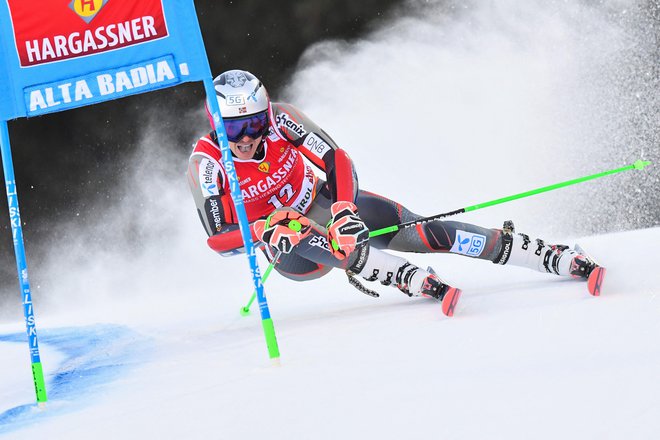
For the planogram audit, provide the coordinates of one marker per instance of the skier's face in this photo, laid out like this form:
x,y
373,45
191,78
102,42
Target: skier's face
x,y
245,147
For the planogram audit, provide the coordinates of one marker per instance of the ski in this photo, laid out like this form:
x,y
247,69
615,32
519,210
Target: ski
x,y
597,275
595,280
450,299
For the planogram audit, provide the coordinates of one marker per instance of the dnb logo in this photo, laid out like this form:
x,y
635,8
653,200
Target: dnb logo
x,y
47,31
87,9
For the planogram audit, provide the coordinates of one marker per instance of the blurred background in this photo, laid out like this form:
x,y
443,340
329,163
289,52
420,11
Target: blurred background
x,y
594,66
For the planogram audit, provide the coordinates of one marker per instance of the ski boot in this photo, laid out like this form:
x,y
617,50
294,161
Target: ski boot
x,y
520,250
408,278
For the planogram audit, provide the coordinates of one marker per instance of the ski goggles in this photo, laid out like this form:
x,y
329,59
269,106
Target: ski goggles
x,y
252,126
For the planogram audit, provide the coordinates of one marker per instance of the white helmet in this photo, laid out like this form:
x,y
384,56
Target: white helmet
x,y
240,94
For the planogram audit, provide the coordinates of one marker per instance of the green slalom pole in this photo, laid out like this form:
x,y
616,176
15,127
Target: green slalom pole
x,y
638,165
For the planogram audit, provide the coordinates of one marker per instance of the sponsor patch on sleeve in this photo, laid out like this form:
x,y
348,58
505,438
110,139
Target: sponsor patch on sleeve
x,y
316,145
208,177
284,121
468,243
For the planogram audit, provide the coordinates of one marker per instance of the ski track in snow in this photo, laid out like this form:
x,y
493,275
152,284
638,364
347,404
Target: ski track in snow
x,y
526,355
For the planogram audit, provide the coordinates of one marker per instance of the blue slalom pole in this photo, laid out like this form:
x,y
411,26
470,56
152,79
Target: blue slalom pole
x,y
237,197
21,264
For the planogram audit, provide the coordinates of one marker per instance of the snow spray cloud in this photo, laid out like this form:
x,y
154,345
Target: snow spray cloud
x,y
144,243
460,102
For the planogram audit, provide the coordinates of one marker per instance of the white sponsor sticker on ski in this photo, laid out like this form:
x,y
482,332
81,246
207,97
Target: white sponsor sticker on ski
x,y
468,243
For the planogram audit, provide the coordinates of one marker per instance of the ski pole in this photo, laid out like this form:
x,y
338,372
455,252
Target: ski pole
x,y
294,225
246,309
638,165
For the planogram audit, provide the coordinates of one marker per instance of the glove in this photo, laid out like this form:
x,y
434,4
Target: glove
x,y
346,231
283,229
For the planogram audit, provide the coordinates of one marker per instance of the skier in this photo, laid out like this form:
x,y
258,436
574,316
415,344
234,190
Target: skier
x,y
288,206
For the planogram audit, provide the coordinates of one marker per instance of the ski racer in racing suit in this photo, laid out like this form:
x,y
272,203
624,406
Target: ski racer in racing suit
x,y
274,147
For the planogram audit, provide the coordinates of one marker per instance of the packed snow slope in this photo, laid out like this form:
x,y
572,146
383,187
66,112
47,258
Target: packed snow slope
x,y
442,108
526,356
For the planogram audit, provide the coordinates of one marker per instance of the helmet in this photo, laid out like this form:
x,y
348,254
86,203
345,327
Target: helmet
x,y
240,94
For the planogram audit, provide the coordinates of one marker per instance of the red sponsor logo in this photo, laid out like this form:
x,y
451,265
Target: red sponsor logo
x,y
47,31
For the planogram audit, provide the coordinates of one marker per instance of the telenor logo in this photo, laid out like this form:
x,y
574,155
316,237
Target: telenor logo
x,y
87,9
468,243
51,32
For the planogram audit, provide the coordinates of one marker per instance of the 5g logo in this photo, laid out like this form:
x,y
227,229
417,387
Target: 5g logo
x,y
235,100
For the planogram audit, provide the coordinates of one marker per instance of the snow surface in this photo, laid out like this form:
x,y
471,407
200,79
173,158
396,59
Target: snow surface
x,y
525,356
139,322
